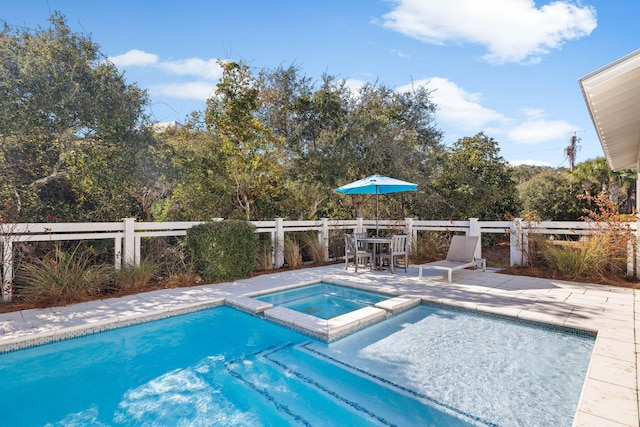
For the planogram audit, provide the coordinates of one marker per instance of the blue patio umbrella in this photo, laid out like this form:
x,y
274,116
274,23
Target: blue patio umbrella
x,y
377,184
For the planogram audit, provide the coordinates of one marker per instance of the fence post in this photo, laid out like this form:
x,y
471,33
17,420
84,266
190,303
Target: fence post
x,y
408,225
129,242
359,227
136,251
324,236
410,233
519,242
279,242
117,250
7,268
474,230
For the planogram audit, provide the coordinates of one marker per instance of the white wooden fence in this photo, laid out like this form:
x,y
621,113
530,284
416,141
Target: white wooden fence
x,y
127,235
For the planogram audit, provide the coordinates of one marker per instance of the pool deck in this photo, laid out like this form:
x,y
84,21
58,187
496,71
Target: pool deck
x,y
610,393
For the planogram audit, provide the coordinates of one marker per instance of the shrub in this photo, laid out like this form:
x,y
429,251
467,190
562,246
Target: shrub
x,y
336,243
63,277
133,277
577,260
264,261
170,257
428,246
223,250
315,248
292,254
602,253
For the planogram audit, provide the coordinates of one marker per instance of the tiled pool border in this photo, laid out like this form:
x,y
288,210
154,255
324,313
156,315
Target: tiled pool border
x,y
312,283
587,333
53,337
361,322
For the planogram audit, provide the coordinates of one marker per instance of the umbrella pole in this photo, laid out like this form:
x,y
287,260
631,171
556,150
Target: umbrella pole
x,y
377,212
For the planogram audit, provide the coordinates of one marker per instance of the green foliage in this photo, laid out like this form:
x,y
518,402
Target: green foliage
x,y
577,260
476,182
60,104
169,255
132,277
428,246
223,250
606,212
252,152
74,147
197,184
63,277
602,253
549,196
594,176
334,135
264,261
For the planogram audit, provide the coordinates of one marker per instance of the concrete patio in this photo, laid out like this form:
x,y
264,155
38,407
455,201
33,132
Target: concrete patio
x,y
610,393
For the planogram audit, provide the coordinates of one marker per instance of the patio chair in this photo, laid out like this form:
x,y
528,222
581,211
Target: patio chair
x,y
351,251
397,249
461,255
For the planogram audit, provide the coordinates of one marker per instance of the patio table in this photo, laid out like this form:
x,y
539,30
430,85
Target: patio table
x,y
376,242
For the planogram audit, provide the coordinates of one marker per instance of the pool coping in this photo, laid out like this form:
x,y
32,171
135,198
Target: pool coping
x,y
610,392
327,330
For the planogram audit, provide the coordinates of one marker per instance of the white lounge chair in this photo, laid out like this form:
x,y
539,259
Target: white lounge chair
x,y
461,255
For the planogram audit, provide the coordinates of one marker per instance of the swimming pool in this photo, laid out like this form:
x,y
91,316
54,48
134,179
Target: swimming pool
x,y
323,300
427,366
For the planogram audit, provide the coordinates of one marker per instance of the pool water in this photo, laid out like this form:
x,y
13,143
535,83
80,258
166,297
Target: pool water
x,y
501,372
427,366
324,300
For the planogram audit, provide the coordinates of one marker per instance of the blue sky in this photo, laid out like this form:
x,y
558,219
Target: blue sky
x,y
509,68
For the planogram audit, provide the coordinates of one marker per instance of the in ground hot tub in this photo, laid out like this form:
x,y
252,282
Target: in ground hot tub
x,y
324,300
325,311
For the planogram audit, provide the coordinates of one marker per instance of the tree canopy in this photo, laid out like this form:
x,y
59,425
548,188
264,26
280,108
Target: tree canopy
x,y
66,114
476,181
76,145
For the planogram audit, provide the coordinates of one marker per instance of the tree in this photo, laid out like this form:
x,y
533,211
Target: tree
x,y
196,180
254,161
523,173
476,182
548,196
594,176
60,101
393,133
334,135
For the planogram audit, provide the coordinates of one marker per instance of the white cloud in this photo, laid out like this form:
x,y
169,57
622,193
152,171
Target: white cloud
x,y
534,113
511,30
400,53
200,90
134,57
354,85
205,74
206,69
464,111
536,131
459,107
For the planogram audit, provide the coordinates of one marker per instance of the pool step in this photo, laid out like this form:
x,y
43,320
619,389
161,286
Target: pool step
x,y
294,399
323,387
